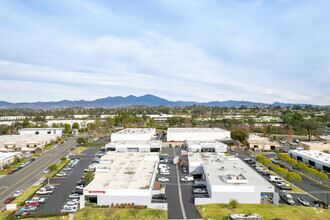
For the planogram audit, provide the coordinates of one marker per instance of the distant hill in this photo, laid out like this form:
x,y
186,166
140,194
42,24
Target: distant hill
x,y
118,101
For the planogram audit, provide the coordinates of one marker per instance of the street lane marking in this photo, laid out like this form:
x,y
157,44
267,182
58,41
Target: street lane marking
x,y
32,172
180,194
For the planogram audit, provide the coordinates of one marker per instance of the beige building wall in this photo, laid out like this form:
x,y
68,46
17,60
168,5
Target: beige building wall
x,y
320,146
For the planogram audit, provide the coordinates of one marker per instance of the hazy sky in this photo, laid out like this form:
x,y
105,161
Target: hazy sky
x,y
255,50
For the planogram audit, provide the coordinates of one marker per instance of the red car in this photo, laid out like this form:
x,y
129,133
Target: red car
x,y
83,177
21,213
9,200
33,204
11,171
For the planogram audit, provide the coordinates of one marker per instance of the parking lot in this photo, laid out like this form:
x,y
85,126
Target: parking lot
x,y
64,185
172,189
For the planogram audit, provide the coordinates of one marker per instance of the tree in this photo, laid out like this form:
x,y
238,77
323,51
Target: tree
x,y
302,166
75,125
240,134
312,171
282,171
63,159
233,204
294,176
81,141
322,176
26,123
89,177
267,163
53,167
310,126
66,128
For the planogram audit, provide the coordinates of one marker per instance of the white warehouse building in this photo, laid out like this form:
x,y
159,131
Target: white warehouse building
x,y
228,177
124,178
197,134
41,131
205,146
134,134
314,158
139,140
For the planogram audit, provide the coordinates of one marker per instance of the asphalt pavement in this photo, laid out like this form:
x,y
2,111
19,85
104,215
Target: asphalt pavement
x,y
64,186
27,176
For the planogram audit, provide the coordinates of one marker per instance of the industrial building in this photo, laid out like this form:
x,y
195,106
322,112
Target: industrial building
x,y
41,131
12,118
314,158
228,177
317,145
24,142
124,178
206,146
197,134
140,140
8,157
261,143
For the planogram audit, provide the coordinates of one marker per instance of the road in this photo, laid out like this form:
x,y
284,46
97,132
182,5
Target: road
x,y
27,176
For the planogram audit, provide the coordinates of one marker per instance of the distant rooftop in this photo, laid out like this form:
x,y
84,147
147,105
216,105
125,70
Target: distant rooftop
x,y
40,129
228,170
193,130
136,142
126,171
314,154
196,142
5,155
8,138
136,131
317,143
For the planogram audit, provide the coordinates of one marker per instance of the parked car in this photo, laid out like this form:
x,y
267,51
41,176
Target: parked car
x,y
21,213
29,208
184,169
73,202
320,204
32,204
287,197
199,185
77,191
80,187
199,191
285,186
71,210
163,179
67,206
303,201
36,199
9,200
43,191
18,193
201,195
159,196
46,170
74,196
11,172
61,174
81,182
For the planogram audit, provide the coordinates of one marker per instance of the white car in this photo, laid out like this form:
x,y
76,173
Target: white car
x,y
71,210
61,174
163,179
74,196
79,187
18,193
70,206
164,173
72,202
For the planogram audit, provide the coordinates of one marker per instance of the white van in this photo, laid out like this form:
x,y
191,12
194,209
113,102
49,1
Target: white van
x,y
275,179
163,166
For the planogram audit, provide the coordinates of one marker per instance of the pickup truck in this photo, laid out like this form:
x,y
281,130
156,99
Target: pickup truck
x,y
36,199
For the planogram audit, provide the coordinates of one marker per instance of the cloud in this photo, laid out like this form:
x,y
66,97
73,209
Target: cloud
x,y
203,51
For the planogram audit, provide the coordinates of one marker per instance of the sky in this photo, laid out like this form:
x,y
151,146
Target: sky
x,y
196,50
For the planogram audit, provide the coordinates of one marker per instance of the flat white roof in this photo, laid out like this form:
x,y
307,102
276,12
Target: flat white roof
x,y
317,144
9,138
195,142
216,167
195,130
39,129
5,155
135,142
127,171
313,154
137,131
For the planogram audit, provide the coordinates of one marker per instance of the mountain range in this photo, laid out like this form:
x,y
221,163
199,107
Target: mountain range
x,y
119,101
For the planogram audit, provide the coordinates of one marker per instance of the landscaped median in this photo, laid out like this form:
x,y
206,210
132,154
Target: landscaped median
x,y
4,172
29,193
119,213
223,211
78,150
59,167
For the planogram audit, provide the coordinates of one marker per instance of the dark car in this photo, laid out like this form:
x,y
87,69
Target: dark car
x,y
199,185
78,191
81,182
184,169
159,196
9,200
32,159
21,213
321,204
